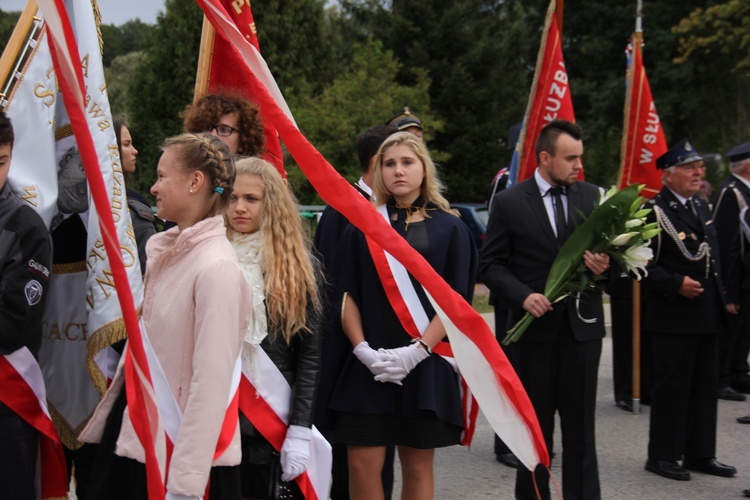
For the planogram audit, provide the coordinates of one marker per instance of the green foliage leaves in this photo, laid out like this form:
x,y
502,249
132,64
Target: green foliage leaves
x,y
362,96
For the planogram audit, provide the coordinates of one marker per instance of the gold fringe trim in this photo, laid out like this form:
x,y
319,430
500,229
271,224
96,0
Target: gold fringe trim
x,y
102,338
68,435
98,21
63,132
70,268
40,43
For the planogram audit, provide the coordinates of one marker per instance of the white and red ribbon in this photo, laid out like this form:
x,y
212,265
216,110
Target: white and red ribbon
x,y
265,399
25,394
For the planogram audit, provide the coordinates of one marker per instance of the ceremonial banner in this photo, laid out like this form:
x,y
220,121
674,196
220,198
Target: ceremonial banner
x,y
83,318
110,255
338,193
226,72
549,98
643,139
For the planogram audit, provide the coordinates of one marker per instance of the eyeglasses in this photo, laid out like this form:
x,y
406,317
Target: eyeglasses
x,y
223,130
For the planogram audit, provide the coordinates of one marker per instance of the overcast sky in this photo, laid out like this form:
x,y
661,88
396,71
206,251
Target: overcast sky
x,y
113,11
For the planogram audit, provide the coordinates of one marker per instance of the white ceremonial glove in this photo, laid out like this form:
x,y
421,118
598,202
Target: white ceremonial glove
x,y
177,496
295,452
406,358
378,362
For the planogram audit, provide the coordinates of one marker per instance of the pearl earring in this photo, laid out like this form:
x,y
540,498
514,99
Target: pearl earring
x,y
190,190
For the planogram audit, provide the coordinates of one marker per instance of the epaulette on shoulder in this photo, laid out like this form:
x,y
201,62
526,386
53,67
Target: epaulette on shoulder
x,y
652,201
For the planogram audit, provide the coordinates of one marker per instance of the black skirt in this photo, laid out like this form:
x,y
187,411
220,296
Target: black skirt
x,y
119,478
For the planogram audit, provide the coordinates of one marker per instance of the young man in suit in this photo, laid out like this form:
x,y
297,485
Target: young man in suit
x,y
685,315
557,359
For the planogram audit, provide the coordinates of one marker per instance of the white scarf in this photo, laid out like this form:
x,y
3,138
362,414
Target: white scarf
x,y
249,250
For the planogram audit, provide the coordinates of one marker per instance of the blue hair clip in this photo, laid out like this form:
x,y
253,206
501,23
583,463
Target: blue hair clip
x,y
219,190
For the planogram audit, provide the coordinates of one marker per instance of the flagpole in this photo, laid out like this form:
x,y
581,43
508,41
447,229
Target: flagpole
x,y
17,40
636,284
204,59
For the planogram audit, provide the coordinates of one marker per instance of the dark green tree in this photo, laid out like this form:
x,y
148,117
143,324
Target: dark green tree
x,y
120,40
163,84
362,96
476,54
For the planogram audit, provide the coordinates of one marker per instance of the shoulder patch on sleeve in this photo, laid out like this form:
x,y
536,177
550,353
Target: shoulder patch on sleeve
x,y
33,291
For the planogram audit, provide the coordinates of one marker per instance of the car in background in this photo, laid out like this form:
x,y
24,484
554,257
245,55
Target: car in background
x,y
475,216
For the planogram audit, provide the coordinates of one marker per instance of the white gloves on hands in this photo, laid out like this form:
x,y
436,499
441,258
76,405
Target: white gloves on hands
x,y
177,496
381,364
404,360
295,452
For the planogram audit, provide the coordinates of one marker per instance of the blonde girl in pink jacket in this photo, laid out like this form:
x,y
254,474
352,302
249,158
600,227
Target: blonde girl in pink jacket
x,y
195,314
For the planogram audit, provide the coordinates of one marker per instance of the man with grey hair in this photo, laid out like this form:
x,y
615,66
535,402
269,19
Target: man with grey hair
x,y
684,318
733,196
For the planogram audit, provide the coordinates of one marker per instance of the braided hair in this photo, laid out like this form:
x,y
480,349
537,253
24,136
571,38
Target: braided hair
x,y
208,154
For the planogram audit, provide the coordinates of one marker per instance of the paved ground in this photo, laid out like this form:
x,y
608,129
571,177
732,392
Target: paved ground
x,y
621,442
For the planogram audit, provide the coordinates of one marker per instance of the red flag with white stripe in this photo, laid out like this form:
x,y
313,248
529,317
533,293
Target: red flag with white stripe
x,y
227,72
338,193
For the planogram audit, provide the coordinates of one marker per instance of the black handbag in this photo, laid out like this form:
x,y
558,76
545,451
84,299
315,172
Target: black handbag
x,y
278,489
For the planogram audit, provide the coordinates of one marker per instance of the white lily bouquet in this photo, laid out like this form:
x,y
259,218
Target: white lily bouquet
x,y
618,227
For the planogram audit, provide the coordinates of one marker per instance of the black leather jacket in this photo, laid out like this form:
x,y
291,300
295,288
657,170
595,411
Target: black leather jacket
x,y
299,362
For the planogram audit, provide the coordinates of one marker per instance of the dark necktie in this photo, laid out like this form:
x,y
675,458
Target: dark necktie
x,y
556,193
693,212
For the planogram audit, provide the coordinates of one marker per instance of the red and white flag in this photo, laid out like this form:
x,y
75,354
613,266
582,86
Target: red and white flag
x,y
338,193
24,393
226,71
549,98
643,139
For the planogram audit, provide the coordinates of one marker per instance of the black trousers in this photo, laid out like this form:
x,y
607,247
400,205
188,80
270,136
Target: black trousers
x,y
735,346
683,408
501,327
18,456
561,376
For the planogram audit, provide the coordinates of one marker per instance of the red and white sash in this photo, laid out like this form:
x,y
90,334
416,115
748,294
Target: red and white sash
x,y
265,399
170,413
25,394
411,314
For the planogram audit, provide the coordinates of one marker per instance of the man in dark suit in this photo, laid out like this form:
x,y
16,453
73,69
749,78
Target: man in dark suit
x,y
557,358
684,318
327,235
733,196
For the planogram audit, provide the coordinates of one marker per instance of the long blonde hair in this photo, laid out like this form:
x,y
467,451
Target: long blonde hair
x,y
289,272
431,190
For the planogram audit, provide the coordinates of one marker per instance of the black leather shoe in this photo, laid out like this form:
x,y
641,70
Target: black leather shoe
x,y
508,459
709,466
744,420
729,394
625,406
746,493
668,469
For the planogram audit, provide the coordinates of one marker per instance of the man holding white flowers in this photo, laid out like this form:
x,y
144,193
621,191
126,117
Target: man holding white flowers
x,y
685,313
557,359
